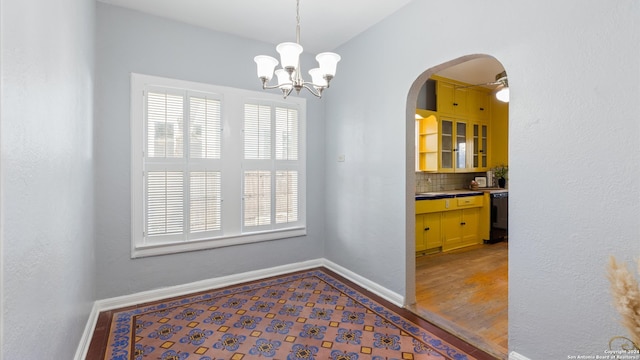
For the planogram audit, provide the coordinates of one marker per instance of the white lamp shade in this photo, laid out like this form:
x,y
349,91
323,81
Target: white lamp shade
x,y
503,94
328,62
266,65
317,78
289,53
283,79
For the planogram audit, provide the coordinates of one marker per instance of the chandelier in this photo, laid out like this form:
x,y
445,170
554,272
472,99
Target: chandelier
x,y
289,77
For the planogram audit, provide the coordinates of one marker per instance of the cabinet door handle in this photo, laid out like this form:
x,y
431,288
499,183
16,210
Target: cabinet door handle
x,y
426,229
463,223
481,109
455,104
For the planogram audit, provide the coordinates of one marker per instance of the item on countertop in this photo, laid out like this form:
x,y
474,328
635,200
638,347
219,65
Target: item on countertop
x,y
474,185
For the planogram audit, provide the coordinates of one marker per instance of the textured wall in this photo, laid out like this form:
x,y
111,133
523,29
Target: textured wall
x,y
574,138
129,41
46,176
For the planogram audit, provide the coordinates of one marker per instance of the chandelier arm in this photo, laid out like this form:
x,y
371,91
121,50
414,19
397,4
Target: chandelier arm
x,y
316,91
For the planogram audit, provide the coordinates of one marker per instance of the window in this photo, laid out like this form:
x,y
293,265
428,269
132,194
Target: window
x,y
213,166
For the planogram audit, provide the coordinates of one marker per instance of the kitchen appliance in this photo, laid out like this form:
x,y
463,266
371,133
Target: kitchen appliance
x,y
499,216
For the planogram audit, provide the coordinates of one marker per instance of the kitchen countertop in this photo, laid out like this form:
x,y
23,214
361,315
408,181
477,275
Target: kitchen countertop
x,y
447,194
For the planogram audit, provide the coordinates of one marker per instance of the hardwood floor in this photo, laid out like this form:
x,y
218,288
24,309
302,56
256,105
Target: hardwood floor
x,y
466,293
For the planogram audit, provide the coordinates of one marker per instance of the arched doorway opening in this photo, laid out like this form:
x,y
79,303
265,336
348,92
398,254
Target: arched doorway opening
x,y
452,147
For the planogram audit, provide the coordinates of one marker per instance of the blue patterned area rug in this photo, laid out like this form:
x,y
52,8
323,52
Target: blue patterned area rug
x,y
306,315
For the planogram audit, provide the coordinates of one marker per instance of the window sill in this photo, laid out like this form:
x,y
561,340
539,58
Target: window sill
x,y
179,247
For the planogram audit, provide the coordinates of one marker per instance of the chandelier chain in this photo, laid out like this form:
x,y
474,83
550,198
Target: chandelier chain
x,y
298,21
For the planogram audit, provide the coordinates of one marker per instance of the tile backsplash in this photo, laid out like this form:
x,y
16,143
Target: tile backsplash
x,y
426,182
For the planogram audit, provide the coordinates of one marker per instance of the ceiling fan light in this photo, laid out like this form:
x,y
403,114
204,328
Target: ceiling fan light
x,y
328,62
503,94
266,65
289,53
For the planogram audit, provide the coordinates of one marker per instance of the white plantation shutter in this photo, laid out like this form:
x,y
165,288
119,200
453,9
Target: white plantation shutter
x,y
165,214
286,196
286,134
213,166
205,201
257,198
204,128
271,182
257,132
165,120
178,207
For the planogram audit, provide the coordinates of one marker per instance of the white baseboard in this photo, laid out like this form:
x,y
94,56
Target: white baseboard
x,y
87,334
209,284
515,356
375,288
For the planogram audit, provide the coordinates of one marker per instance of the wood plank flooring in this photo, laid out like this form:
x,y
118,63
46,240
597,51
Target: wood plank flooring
x,y
466,293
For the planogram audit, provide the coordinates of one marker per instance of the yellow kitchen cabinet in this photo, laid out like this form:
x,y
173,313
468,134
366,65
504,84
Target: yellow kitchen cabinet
x,y
460,228
479,103
454,146
447,224
452,99
480,147
426,141
428,234
485,218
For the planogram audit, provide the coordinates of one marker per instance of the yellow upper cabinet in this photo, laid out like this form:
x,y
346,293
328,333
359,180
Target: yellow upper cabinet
x,y
456,133
479,104
452,100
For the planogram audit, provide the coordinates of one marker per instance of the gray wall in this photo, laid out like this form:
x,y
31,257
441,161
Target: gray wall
x,y
46,176
129,41
574,140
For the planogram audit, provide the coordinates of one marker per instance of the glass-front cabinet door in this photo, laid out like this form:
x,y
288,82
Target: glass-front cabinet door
x,y
461,145
446,147
455,146
480,147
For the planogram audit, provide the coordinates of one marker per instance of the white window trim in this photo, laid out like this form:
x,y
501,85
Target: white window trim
x,y
232,97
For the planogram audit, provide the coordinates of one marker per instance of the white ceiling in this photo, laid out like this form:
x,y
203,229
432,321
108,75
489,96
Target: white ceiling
x,y
324,24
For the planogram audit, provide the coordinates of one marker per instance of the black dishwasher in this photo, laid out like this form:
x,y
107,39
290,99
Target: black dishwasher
x,y
499,216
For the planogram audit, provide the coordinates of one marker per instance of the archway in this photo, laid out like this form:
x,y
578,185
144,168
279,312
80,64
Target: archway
x,y
414,177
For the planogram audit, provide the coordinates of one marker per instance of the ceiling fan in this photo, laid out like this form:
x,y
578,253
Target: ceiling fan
x,y
502,81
